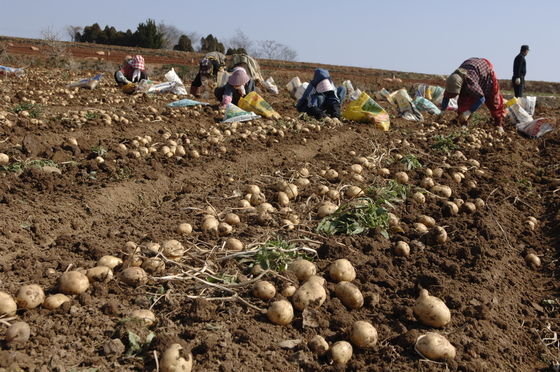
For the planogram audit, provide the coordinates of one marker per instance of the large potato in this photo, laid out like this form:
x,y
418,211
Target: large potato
x,y
303,269
7,304
30,296
310,294
431,310
435,347
363,334
73,282
280,312
134,276
341,352
349,295
342,270
175,359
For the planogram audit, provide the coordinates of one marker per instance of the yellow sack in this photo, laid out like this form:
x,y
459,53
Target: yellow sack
x,y
511,102
129,88
366,110
255,103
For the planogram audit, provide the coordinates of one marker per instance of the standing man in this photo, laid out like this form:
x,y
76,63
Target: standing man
x,y
519,71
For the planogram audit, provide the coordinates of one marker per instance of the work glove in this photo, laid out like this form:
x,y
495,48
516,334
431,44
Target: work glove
x,y
464,117
136,75
517,81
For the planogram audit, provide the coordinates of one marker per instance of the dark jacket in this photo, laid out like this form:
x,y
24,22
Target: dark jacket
x,y
318,104
519,67
229,90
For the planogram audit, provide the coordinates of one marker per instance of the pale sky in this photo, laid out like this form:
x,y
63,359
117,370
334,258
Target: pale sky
x,y
430,36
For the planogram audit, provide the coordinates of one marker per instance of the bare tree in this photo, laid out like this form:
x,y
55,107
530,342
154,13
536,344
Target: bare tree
x,y
240,41
71,32
171,34
56,52
272,49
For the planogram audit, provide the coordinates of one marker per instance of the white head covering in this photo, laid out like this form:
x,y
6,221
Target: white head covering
x,y
324,85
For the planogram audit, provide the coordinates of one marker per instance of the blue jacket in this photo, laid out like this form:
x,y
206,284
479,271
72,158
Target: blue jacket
x,y
311,98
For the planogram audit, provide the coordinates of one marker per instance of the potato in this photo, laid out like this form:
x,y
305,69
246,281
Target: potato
x,y
402,249
4,159
333,195
184,229
7,304
533,260
291,191
435,347
147,316
280,312
175,359
30,296
282,198
363,334
530,225
420,228
304,172
210,225
438,172
302,182
264,290
303,269
153,247
153,265
326,209
257,199
322,189
401,177
342,270
331,175
341,352
479,203
419,197
233,244
318,345
18,333
442,190
134,276
428,172
354,192
73,282
289,291
310,294
349,295
427,183
265,208
383,172
99,274
393,220
356,168
450,208
55,301
468,207
426,220
173,249
109,261
431,311
232,219
439,234
224,228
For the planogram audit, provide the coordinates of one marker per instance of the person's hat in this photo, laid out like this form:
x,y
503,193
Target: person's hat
x,y
524,48
137,63
238,77
205,66
325,85
454,83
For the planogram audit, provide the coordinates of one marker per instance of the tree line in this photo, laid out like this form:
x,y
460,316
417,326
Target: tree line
x,y
150,34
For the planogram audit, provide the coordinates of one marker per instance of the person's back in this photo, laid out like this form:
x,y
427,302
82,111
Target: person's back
x,y
519,71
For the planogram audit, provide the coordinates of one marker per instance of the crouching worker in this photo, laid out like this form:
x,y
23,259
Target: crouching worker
x,y
239,85
132,71
208,70
476,83
321,98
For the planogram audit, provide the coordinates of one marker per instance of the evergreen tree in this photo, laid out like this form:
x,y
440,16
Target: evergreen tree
x,y
184,44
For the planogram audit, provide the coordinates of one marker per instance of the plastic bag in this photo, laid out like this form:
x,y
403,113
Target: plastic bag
x,y
186,103
300,90
255,103
5,70
453,105
172,77
90,83
423,104
431,92
270,85
535,128
234,113
349,88
365,109
406,107
222,78
528,104
293,86
516,114
355,95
